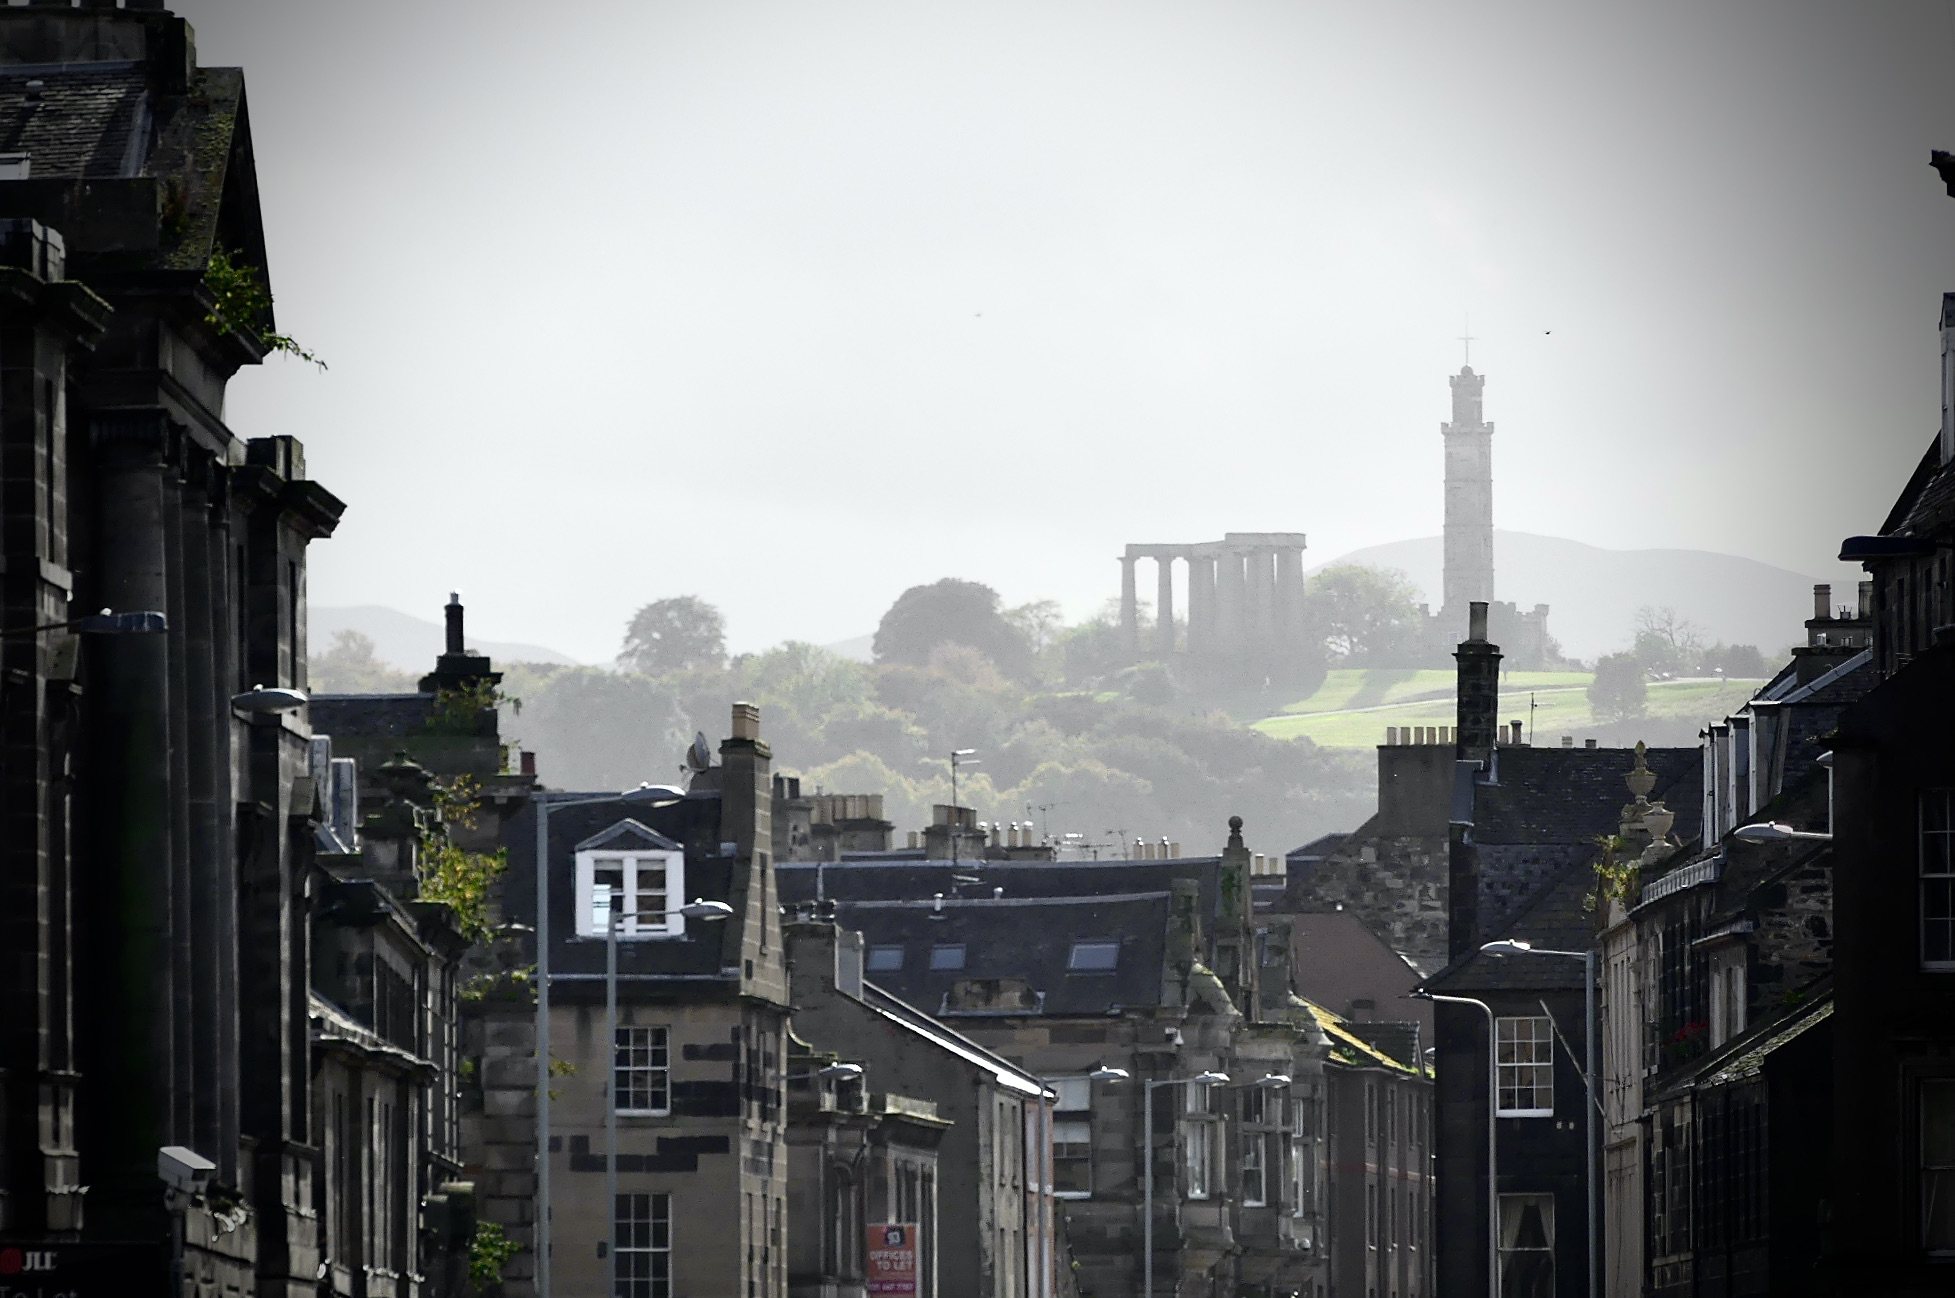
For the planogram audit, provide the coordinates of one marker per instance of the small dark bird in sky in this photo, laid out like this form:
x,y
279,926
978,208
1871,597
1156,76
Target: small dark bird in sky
x,y
1546,332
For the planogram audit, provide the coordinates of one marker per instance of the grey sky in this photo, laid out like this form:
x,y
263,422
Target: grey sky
x,y
795,305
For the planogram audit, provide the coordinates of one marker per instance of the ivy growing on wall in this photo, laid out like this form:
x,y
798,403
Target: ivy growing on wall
x,y
240,302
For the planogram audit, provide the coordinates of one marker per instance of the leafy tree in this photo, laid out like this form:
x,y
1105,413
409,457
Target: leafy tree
x,y
951,612
350,667
1740,660
1619,691
674,635
596,729
1368,615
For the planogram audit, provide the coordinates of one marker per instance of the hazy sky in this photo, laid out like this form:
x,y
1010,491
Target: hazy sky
x,y
793,306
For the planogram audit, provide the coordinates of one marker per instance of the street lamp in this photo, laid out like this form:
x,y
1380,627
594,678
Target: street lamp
x,y
1516,946
645,794
103,623
613,902
1493,1154
1209,1078
1774,832
259,701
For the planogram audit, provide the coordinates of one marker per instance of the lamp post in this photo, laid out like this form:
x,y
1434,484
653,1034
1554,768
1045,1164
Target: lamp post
x,y
1518,947
654,795
1493,1155
103,623
612,901
1209,1078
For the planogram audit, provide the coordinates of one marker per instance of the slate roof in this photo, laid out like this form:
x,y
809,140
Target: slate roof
x,y
1554,918
913,880
1346,1047
1028,938
92,119
1570,795
1927,503
378,716
910,1019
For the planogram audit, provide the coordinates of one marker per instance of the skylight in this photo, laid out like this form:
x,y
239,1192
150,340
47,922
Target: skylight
x,y
885,959
1094,955
950,956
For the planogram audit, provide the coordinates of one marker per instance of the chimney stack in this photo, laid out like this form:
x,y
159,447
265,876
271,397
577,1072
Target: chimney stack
x,y
1822,602
454,612
1479,689
1866,601
1947,377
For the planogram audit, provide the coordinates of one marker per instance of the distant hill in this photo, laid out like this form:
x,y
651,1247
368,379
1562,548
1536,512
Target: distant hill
x,y
1593,594
861,648
411,643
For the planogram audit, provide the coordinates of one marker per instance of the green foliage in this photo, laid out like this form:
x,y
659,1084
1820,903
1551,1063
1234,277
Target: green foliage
x,y
1619,691
1366,615
240,302
684,633
488,1253
462,880
1615,879
952,612
468,710
350,667
1670,645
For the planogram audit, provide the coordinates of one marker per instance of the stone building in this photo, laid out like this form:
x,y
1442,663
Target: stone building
x,y
983,1202
1246,615
1160,968
696,1069
153,877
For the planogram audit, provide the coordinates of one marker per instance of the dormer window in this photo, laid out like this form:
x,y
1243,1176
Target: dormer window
x,y
640,867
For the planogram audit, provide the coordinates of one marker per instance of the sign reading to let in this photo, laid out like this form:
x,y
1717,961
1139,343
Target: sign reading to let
x,y
893,1259
37,1269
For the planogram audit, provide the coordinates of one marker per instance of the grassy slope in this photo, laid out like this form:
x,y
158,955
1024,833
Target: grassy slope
x,y
1425,698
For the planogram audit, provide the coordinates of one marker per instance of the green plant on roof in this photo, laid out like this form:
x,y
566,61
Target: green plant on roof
x,y
488,1252
240,302
1615,879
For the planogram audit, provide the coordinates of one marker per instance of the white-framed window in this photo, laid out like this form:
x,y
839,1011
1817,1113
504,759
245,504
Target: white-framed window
x,y
652,884
1525,1054
1072,1138
1255,1169
1937,838
1527,1246
1199,1147
641,1080
1936,1112
1303,1185
642,1266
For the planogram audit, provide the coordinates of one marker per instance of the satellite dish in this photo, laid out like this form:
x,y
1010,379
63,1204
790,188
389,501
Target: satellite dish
x,y
699,757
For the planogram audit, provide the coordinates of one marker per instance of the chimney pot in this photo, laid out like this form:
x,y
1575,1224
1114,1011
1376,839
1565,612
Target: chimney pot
x,y
1866,600
1476,620
746,721
527,762
1588,743
454,617
1822,602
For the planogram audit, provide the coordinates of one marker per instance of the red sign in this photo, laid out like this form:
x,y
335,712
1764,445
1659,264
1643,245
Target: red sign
x,y
892,1259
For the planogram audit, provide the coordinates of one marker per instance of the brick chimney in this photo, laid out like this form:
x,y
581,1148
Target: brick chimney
x,y
1479,689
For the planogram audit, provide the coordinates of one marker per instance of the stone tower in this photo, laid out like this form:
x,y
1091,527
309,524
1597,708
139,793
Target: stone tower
x,y
1469,501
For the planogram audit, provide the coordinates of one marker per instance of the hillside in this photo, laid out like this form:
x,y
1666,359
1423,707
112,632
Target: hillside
x,y
410,643
1593,594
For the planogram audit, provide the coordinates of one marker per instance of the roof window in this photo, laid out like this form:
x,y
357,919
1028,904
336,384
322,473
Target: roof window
x,y
1094,955
15,166
949,956
885,959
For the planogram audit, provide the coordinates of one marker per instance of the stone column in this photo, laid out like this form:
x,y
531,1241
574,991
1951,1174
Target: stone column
x,y
1201,606
1256,612
1164,605
1291,627
1129,607
1229,602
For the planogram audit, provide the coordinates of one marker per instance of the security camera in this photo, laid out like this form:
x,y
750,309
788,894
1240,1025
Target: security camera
x,y
184,1170
1174,1036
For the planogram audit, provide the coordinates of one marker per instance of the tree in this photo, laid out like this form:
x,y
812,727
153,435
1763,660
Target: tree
x,y
1365,614
1618,692
350,667
674,635
951,612
1739,660
1667,642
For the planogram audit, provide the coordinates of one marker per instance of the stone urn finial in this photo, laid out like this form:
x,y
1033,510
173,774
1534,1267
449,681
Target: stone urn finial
x,y
1235,831
1641,779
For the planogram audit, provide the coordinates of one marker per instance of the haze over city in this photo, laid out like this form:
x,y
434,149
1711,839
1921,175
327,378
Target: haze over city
x,y
989,291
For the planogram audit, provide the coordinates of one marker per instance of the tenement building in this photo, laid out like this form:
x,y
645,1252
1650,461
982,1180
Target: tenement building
x,y
153,877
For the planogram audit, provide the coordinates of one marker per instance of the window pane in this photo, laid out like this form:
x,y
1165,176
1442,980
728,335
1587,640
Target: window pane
x,y
642,1265
640,1080
1524,1049
1526,1246
1938,1164
885,959
1075,1094
607,882
1094,955
947,957
651,900
1072,1157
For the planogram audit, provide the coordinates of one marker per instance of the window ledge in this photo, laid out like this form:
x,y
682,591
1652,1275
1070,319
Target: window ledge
x,y
1523,1113
1072,1194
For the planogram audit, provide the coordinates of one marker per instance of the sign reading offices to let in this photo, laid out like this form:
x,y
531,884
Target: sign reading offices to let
x,y
892,1259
